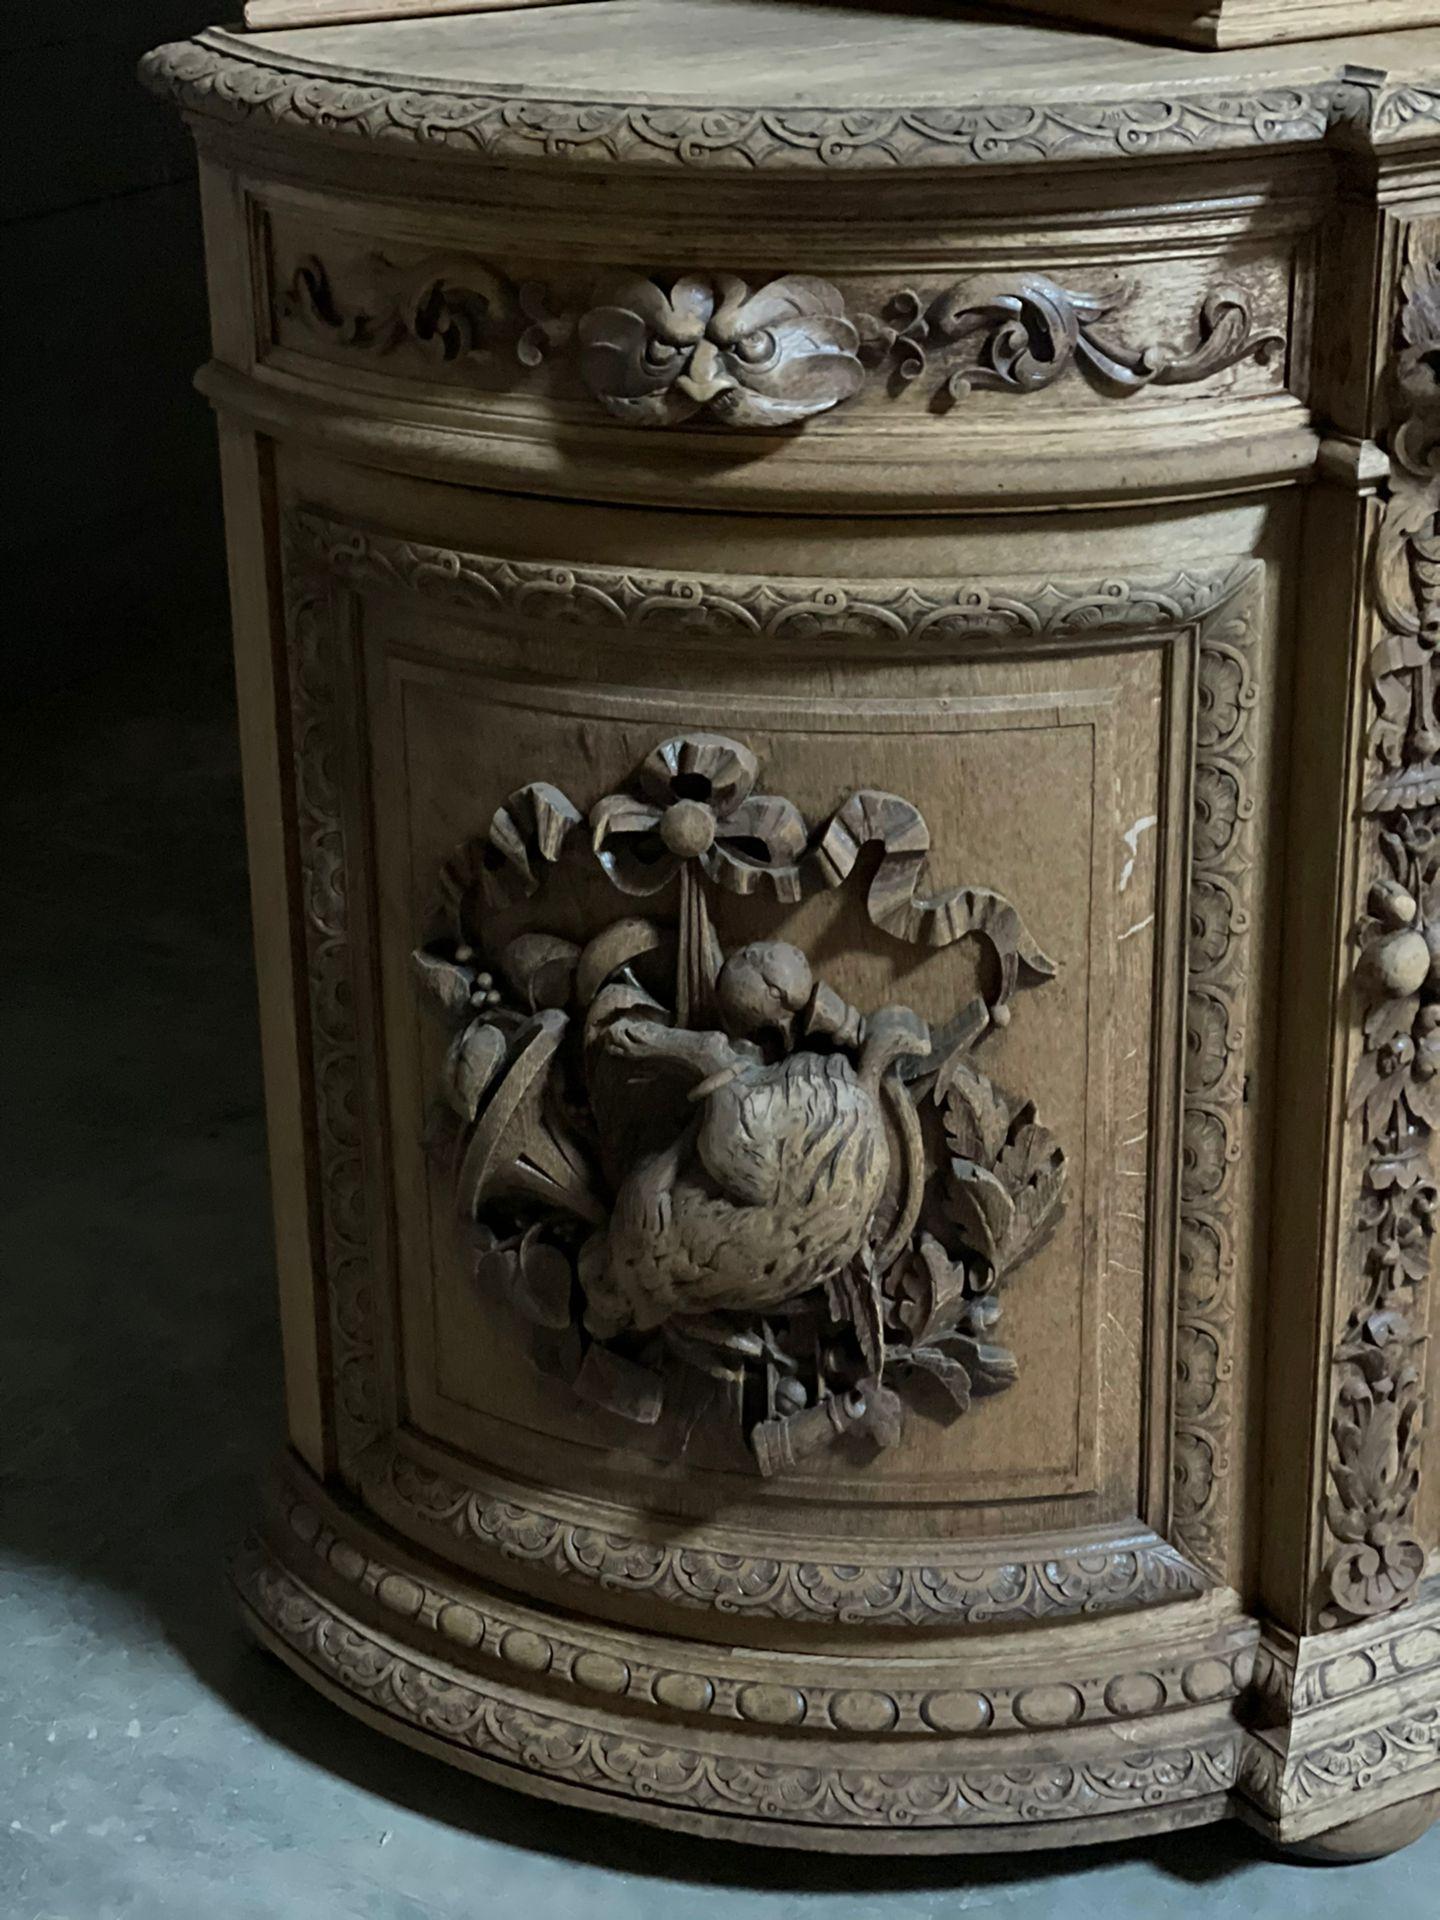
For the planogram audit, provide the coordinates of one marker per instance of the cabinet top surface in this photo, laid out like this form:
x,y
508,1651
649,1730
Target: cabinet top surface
x,y
900,83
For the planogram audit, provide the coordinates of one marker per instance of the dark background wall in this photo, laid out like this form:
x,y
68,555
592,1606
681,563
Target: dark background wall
x,y
111,529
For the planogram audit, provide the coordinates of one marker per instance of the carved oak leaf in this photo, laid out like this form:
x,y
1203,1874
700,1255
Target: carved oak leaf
x,y
1008,1212
1033,1168
976,1115
710,346
476,1054
446,982
991,1368
981,1206
855,1299
947,1370
929,1291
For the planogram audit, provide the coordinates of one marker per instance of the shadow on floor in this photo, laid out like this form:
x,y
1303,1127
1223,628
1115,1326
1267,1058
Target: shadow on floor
x,y
142,1347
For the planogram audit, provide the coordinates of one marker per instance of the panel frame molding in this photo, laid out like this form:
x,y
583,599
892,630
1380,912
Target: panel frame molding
x,y
328,562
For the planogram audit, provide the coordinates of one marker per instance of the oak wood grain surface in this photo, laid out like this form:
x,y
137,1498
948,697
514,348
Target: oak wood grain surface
x,y
835,612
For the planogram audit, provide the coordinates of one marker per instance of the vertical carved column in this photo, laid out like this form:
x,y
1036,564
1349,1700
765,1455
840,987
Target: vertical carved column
x,y
1347,1725
1377,1557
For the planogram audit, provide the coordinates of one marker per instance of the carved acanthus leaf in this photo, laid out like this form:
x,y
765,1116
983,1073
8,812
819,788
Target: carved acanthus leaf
x,y
1024,335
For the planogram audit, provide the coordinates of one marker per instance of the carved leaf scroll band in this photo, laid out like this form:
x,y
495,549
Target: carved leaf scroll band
x,y
657,352
610,1761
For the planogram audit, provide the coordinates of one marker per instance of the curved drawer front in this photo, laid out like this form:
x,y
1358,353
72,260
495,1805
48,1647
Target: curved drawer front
x,y
1082,356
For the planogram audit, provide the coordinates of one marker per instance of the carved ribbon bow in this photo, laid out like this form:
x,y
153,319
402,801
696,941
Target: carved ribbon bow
x,y
696,802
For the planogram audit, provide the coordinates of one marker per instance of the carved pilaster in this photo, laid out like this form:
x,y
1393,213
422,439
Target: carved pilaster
x,y
1377,1389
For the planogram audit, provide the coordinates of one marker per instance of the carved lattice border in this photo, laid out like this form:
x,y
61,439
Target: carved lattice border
x,y
323,555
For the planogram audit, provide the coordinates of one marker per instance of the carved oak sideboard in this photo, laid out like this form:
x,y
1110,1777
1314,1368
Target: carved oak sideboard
x,y
836,637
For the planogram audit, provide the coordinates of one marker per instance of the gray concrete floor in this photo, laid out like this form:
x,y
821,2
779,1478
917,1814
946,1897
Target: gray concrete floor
x,y
153,1765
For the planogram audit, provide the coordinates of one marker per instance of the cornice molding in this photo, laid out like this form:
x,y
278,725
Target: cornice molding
x,y
218,74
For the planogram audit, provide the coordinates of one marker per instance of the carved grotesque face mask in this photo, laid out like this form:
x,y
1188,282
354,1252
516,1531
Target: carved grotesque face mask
x,y
712,347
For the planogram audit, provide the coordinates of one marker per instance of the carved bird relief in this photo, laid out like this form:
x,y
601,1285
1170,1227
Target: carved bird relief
x,y
771,1187
671,1157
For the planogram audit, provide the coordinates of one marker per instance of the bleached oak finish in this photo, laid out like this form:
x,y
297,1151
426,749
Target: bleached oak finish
x,y
1236,23
262,14
840,742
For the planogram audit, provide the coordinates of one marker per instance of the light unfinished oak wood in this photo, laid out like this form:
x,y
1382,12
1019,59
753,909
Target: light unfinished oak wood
x,y
842,778
268,14
1236,23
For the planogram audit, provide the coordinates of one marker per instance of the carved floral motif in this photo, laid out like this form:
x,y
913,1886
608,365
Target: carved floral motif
x,y
1377,1414
678,1161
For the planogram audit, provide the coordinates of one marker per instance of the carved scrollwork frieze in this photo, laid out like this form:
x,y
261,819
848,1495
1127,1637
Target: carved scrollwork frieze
x,y
1018,336
658,351
1344,1713
1378,1400
955,1587
333,1024
1215,1056
221,74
